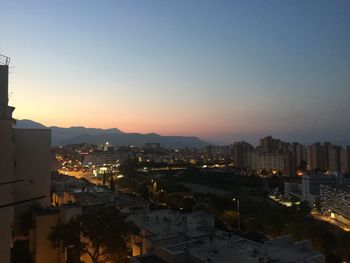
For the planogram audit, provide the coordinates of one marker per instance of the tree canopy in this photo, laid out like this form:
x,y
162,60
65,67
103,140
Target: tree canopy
x,y
100,233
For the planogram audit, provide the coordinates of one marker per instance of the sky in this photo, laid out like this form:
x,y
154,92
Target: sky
x,y
219,70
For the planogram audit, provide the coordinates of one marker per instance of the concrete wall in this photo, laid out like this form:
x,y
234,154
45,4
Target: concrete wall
x,y
4,73
39,246
6,191
33,164
6,167
43,250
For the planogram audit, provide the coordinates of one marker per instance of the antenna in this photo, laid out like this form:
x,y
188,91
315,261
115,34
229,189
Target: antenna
x,y
4,60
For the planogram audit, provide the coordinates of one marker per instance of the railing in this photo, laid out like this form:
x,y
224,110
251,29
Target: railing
x,y
4,60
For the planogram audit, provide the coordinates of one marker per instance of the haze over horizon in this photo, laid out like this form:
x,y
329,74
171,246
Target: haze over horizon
x,y
219,71
253,139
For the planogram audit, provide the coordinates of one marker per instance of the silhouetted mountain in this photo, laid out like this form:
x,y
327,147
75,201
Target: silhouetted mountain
x,y
59,135
72,135
28,124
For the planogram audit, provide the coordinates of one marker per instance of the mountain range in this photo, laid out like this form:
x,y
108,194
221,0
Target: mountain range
x,y
73,135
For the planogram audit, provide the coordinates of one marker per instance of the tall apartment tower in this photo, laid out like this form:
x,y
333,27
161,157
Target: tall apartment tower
x,y
316,156
269,144
25,165
345,160
240,152
334,157
6,163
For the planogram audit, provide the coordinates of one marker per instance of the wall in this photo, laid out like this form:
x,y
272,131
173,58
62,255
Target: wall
x,y
33,164
42,248
6,191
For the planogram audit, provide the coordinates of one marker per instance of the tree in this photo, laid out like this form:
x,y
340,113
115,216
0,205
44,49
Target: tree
x,y
104,178
111,183
67,236
230,218
100,234
344,249
252,224
323,239
304,208
143,190
303,165
128,167
273,227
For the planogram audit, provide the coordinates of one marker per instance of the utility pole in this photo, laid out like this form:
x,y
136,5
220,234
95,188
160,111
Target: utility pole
x,y
239,221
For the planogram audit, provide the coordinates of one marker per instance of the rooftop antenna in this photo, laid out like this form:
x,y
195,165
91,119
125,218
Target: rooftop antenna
x,y
4,60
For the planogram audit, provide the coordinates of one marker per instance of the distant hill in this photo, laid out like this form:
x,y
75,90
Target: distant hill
x,y
60,135
28,124
72,135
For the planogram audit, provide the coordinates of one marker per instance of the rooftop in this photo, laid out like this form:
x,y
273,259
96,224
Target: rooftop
x,y
164,223
231,248
150,259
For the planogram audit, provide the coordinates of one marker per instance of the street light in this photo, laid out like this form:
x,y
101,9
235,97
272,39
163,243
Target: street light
x,y
239,223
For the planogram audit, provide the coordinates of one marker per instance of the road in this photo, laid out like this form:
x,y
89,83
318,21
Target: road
x,y
327,219
87,175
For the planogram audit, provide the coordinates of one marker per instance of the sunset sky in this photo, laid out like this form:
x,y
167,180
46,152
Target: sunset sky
x,y
219,70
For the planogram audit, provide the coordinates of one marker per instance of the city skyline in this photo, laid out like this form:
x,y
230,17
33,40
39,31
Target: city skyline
x,y
220,72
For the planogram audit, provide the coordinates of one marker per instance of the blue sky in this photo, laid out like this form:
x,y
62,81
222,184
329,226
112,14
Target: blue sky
x,y
221,70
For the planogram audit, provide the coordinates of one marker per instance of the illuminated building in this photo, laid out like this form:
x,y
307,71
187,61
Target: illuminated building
x,y
308,188
311,186
105,158
268,161
335,202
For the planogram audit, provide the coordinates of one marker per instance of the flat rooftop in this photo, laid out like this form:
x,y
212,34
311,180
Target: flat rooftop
x,y
226,249
165,223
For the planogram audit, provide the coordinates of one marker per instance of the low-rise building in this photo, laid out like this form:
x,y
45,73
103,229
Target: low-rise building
x,y
70,190
101,158
43,220
227,248
163,227
308,187
311,186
